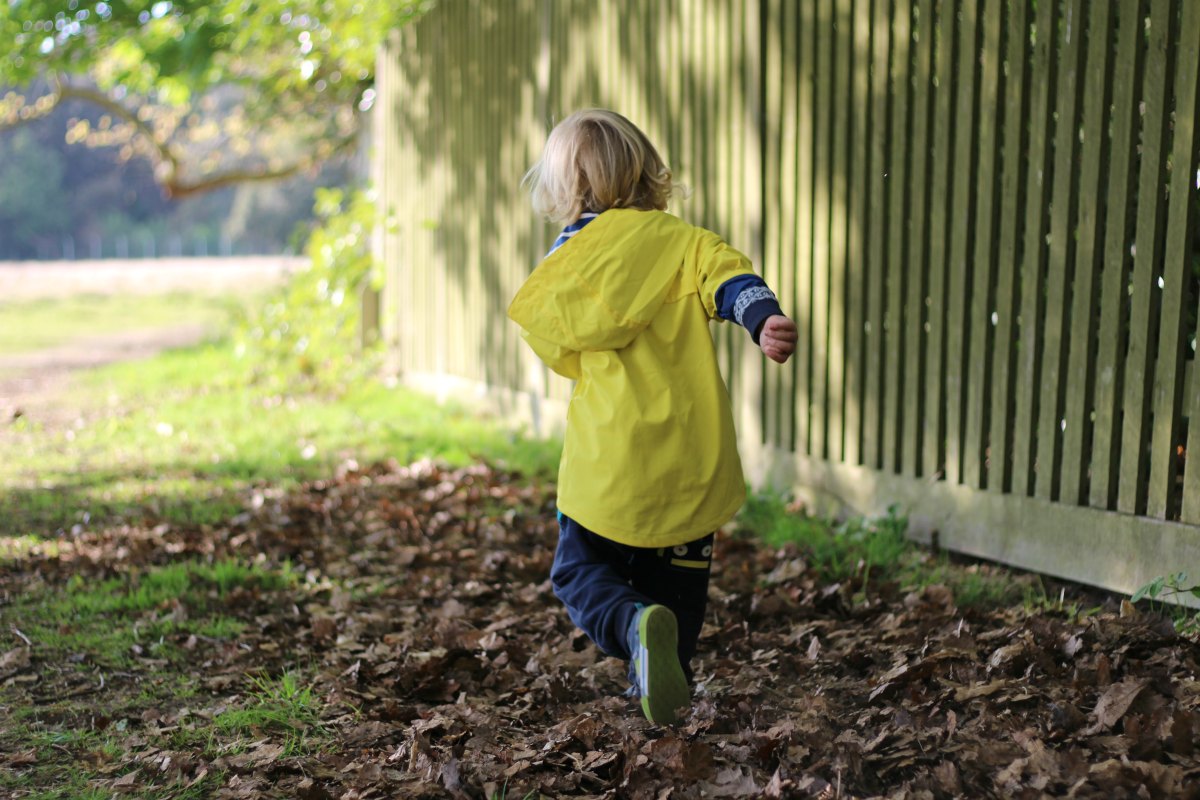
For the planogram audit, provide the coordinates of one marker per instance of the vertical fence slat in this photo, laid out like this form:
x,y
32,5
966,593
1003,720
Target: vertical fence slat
x,y
962,233
688,166
802,366
860,104
789,190
750,125
1181,224
942,216
1016,92
425,278
1062,247
473,350
991,113
1110,362
1143,312
897,230
718,110
1033,260
1191,475
822,173
1097,93
877,229
701,115
919,199
772,266
838,234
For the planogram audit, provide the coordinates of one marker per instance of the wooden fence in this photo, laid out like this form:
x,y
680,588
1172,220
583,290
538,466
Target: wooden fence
x,y
981,213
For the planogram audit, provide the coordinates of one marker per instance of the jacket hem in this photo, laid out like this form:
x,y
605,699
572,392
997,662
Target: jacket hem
x,y
641,539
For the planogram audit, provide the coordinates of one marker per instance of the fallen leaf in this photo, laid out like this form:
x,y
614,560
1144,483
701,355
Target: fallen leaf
x,y
966,693
1113,704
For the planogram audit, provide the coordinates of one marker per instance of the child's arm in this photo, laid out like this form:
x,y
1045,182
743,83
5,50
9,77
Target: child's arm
x,y
747,301
741,296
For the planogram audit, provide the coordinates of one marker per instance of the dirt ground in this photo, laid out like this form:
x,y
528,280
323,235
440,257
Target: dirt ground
x,y
37,380
443,666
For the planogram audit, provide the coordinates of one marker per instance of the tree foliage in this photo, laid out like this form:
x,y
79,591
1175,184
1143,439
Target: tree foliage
x,y
213,93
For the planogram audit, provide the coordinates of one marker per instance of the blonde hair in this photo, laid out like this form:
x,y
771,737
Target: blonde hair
x,y
595,160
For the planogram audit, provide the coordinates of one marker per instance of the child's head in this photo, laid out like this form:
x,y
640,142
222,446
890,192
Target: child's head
x,y
595,160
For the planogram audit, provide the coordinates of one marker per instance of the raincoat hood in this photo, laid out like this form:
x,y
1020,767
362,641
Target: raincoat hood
x,y
585,296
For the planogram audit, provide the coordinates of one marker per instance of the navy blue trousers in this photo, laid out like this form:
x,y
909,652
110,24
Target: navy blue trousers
x,y
603,584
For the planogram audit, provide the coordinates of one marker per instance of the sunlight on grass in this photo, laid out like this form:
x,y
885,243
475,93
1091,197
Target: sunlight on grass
x,y
182,437
69,759
38,324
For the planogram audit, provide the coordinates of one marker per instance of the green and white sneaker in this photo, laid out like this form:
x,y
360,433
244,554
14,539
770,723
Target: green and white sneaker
x,y
658,676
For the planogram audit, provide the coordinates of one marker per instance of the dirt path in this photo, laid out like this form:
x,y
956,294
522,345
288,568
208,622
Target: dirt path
x,y
35,384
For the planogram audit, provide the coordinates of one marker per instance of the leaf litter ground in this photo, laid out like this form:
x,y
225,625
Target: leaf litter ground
x,y
419,652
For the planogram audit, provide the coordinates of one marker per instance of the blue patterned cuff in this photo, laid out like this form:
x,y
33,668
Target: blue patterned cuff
x,y
757,312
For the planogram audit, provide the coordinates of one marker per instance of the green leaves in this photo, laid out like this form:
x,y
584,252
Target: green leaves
x,y
308,333
1186,621
277,83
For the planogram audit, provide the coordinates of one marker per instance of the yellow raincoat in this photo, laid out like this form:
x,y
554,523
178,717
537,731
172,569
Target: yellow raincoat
x,y
650,457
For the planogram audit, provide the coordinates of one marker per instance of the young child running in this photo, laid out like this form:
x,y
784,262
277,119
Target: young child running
x,y
650,468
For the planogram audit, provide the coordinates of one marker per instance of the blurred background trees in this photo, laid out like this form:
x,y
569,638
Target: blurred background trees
x,y
208,122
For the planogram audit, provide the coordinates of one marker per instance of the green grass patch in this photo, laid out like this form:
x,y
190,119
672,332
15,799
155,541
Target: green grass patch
x,y
835,551
136,631
111,622
66,764
181,438
873,550
56,758
39,324
281,706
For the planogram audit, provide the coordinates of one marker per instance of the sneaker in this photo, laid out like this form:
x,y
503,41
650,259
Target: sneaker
x,y
658,676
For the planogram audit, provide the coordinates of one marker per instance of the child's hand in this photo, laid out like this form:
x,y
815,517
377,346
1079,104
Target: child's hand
x,y
778,338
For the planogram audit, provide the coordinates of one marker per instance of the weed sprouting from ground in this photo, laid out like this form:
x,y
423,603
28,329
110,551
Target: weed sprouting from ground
x,y
282,706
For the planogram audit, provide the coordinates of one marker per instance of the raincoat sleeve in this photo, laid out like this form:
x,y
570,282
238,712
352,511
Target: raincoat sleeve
x,y
716,263
562,360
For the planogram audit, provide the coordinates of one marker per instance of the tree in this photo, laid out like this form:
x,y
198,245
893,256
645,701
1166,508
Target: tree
x,y
212,93
32,190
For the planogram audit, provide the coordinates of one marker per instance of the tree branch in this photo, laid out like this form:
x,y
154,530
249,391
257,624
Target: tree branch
x,y
176,187
163,154
169,173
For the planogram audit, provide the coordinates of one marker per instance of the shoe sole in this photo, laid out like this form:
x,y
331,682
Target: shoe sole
x,y
666,687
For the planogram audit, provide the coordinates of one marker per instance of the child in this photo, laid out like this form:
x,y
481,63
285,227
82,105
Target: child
x,y
650,467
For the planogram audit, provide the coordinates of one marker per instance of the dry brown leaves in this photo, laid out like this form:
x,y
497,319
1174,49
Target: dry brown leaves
x,y
447,668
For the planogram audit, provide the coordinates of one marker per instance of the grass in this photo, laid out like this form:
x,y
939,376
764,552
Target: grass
x,y
182,437
186,437
39,324
82,631
876,550
109,623
276,705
